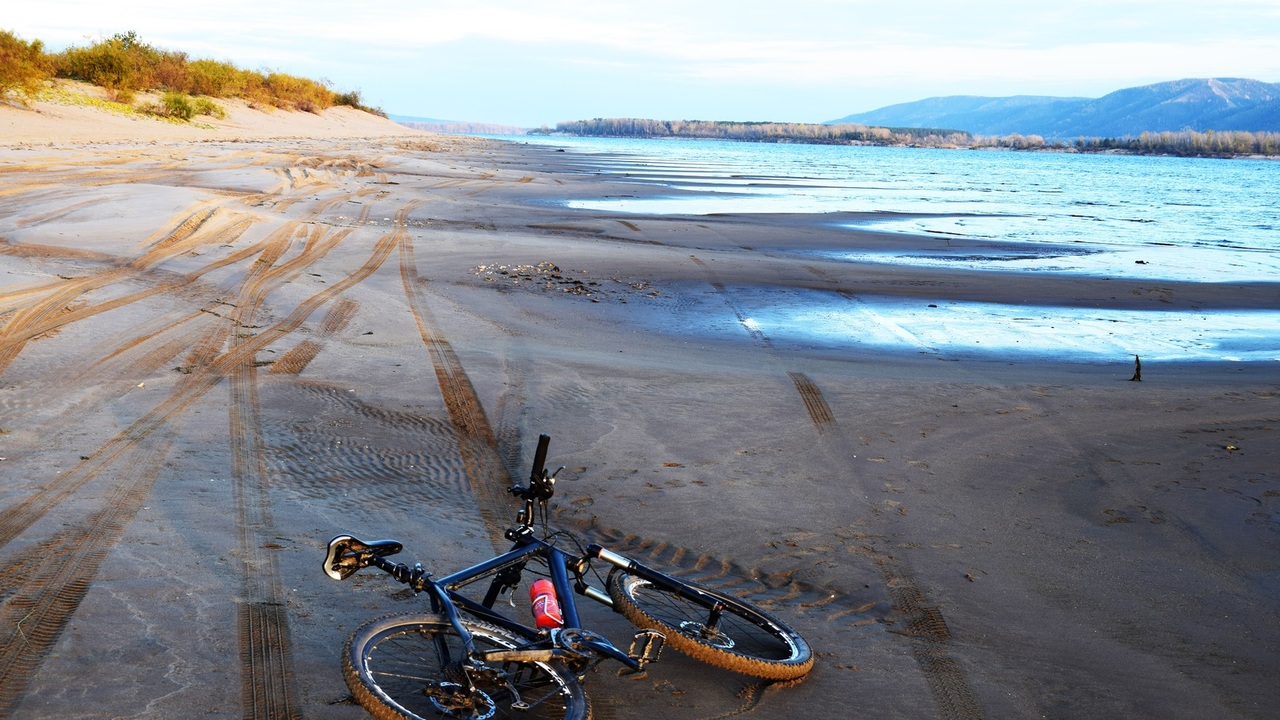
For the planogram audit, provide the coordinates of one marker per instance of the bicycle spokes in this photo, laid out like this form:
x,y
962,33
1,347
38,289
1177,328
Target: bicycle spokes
x,y
709,631
455,700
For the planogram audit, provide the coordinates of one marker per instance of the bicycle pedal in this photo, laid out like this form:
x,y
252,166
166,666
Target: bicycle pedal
x,y
647,646
629,674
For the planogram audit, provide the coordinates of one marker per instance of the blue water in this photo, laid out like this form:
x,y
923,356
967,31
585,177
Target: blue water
x,y
1157,218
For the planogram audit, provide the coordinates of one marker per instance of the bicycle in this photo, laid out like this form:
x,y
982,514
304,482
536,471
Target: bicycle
x,y
466,659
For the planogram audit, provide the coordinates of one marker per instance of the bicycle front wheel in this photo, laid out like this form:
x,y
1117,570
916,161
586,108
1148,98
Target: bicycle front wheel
x,y
410,667
714,628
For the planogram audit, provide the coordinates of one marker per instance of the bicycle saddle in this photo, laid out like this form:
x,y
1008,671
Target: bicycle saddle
x,y
347,555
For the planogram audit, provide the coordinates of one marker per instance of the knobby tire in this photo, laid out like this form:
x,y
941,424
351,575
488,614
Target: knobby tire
x,y
746,640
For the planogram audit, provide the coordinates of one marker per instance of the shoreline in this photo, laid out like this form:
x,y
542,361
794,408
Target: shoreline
x,y
1051,146
241,350
1094,296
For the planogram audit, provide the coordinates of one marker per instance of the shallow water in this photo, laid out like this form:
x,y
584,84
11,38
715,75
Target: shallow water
x,y
990,329
1157,218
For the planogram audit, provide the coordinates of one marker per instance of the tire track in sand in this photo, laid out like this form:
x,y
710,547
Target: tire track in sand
x,y
268,688
203,223
926,627
263,624
477,444
45,585
296,359
267,683
267,678
54,310
929,636
814,403
767,590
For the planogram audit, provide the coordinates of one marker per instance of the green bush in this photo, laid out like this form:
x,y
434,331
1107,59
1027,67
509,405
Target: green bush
x,y
205,106
295,93
117,64
213,78
23,65
170,71
177,105
352,99
125,65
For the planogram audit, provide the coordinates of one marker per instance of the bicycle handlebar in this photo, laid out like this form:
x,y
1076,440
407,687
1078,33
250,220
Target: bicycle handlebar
x,y
540,459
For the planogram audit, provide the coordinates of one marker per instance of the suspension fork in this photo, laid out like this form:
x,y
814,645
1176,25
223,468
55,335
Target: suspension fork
x,y
713,605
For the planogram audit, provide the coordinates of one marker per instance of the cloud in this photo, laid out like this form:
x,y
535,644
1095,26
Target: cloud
x,y
959,63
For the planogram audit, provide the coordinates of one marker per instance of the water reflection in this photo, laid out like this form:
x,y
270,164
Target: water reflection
x,y
975,329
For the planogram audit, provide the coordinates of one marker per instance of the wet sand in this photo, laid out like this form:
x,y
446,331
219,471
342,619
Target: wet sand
x,y
215,356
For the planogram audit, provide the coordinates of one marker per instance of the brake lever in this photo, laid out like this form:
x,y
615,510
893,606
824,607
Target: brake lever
x,y
545,487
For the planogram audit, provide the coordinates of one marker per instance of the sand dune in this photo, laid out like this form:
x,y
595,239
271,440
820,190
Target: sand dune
x,y
81,115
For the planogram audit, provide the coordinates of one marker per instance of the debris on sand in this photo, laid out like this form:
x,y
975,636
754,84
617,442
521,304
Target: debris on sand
x,y
547,277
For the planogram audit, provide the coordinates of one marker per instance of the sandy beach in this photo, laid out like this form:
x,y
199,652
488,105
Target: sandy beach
x,y
220,347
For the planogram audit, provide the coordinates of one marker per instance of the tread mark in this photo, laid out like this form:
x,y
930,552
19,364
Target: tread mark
x,y
264,646
205,376
751,328
752,585
297,358
817,406
56,575
477,443
929,635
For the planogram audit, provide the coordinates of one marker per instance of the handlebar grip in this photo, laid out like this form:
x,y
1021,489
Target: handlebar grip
x,y
540,458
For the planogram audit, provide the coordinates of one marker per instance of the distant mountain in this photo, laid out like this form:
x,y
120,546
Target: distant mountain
x,y
1191,104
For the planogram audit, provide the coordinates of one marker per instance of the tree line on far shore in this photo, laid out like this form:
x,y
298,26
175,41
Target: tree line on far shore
x,y
810,133
125,66
1187,143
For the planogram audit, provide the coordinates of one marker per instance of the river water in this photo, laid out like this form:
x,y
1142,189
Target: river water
x,y
1156,218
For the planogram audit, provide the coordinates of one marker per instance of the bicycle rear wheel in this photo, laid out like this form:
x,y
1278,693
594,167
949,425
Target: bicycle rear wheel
x,y
408,667
724,631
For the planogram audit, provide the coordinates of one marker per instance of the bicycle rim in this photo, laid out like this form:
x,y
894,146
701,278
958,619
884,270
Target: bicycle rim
x,y
408,667
742,638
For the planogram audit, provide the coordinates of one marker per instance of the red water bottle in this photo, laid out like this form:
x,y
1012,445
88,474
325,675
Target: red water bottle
x,y
546,608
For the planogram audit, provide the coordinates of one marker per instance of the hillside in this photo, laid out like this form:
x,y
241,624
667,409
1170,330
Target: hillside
x,y
73,112
1190,104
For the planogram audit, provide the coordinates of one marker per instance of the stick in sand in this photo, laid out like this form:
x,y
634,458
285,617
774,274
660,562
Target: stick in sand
x,y
1137,369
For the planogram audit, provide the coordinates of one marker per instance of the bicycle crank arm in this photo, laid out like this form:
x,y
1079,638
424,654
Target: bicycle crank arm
x,y
585,643
525,655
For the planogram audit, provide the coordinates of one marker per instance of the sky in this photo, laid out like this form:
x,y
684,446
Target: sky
x,y
538,62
